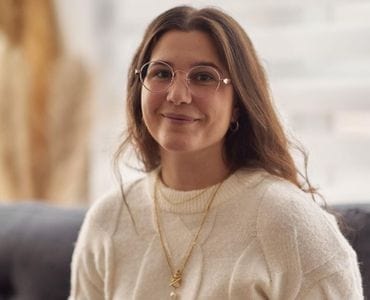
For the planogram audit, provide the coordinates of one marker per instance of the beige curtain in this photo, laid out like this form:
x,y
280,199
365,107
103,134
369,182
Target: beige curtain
x,y
44,109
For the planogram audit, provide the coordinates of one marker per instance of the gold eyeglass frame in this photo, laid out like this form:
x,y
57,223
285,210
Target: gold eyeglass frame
x,y
139,72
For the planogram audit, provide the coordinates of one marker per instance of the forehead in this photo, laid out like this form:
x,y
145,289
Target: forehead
x,y
184,49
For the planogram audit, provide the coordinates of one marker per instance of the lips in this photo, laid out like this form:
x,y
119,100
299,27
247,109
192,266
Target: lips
x,y
181,118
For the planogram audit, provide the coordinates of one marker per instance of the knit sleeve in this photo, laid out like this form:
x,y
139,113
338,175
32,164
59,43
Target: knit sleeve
x,y
339,285
304,249
92,257
87,271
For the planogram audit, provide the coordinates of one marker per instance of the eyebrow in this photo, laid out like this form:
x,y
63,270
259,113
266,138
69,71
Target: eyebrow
x,y
205,63
197,63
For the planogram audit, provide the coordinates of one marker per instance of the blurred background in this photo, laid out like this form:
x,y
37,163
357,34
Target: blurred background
x,y
63,68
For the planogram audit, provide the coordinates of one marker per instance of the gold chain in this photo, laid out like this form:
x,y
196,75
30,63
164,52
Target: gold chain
x,y
176,275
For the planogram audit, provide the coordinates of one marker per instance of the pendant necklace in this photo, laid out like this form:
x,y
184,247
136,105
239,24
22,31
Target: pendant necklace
x,y
177,273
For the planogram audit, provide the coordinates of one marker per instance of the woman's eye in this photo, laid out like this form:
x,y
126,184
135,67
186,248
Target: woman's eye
x,y
163,74
159,74
202,78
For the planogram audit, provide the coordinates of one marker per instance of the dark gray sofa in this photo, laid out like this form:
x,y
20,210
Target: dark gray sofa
x,y
36,244
37,240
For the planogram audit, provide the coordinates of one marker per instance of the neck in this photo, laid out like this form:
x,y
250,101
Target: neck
x,y
189,171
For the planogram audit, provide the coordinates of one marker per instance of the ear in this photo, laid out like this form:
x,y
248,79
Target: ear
x,y
235,114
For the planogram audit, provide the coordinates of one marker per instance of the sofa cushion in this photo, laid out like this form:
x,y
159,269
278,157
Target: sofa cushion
x,y
36,245
357,230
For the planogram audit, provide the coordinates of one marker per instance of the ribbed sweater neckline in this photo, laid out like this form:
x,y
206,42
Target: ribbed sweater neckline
x,y
184,201
195,201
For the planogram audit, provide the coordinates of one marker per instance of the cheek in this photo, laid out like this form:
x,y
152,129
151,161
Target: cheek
x,y
223,110
146,103
149,106
145,108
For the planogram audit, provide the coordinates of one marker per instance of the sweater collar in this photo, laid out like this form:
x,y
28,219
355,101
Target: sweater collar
x,y
196,201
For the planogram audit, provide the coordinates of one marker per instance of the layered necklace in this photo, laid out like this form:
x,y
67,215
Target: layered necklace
x,y
177,272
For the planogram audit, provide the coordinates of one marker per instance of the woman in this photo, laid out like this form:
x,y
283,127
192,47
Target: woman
x,y
221,213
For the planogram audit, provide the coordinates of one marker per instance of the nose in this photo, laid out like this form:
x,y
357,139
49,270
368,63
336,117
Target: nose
x,y
179,93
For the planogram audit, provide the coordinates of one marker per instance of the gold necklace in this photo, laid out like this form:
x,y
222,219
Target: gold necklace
x,y
177,274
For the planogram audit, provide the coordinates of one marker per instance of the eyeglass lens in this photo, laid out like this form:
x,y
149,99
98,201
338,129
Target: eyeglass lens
x,y
158,77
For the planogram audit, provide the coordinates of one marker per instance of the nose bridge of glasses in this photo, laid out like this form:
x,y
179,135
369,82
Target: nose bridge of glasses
x,y
185,74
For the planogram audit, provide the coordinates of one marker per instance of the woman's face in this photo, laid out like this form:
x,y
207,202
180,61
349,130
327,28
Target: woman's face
x,y
177,119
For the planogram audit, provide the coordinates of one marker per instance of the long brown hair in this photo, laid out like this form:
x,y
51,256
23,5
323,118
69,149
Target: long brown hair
x,y
260,141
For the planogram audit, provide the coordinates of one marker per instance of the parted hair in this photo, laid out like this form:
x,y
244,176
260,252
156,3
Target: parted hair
x,y
260,141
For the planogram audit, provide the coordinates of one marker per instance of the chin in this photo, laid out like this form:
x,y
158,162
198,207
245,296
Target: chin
x,y
176,142
177,147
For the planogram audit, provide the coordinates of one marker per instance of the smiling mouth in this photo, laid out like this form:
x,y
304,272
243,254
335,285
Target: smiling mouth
x,y
178,118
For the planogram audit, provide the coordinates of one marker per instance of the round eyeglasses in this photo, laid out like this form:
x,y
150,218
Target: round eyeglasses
x,y
202,81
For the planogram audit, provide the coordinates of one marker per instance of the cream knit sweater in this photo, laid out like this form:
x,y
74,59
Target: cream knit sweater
x,y
263,239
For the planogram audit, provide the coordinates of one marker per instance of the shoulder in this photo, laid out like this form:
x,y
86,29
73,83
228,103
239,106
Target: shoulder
x,y
249,182
105,217
276,200
267,193
283,205
295,230
113,207
301,242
